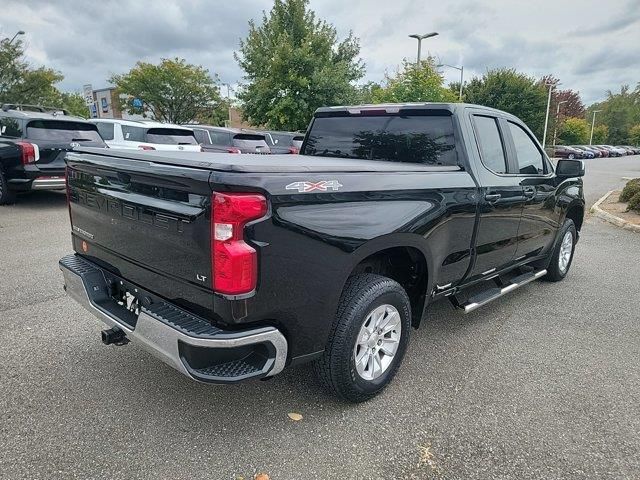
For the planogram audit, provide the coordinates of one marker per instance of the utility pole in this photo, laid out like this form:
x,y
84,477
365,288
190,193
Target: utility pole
x,y
555,126
593,123
420,38
228,103
546,119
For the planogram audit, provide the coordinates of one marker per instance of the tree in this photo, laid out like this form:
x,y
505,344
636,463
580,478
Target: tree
x,y
293,64
619,112
413,83
513,92
172,91
634,135
600,134
575,131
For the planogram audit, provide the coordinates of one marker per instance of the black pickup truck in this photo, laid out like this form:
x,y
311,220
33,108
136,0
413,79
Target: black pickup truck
x,y
230,267
33,143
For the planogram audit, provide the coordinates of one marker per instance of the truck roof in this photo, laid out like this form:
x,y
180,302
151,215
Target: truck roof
x,y
395,107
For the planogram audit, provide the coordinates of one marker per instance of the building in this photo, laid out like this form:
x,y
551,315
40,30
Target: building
x,y
106,104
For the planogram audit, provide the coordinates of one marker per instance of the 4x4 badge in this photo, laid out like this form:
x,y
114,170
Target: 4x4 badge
x,y
321,186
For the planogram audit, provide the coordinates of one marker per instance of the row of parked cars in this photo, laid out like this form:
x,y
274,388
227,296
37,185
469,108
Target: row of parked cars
x,y
35,139
594,151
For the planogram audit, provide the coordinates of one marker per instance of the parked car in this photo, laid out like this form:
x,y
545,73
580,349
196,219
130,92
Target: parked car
x,y
242,265
284,142
586,153
603,151
596,152
628,149
229,140
614,151
145,135
33,143
563,151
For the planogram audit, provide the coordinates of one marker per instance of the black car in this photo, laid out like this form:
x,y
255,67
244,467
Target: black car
x,y
229,140
241,265
33,143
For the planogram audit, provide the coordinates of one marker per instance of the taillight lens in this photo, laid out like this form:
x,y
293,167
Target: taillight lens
x,y
30,152
146,147
234,263
233,150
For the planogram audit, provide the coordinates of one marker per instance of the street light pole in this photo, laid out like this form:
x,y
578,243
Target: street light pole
x,y
228,103
555,126
420,38
593,123
461,68
546,119
19,32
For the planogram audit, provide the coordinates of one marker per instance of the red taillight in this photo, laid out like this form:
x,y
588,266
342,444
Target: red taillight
x,y
30,152
234,263
146,147
294,150
233,150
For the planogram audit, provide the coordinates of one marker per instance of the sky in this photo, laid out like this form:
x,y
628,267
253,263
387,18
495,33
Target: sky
x,y
590,45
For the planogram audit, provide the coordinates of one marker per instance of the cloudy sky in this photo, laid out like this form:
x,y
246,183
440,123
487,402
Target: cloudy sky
x,y
591,45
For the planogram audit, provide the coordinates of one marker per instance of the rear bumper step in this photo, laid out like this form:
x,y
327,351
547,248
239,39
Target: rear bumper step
x,y
188,343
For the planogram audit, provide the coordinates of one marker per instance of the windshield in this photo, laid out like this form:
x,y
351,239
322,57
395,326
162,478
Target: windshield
x,y
426,139
63,131
171,136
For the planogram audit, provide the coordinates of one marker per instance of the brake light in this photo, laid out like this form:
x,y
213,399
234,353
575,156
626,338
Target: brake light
x,y
234,263
294,150
146,147
30,152
233,150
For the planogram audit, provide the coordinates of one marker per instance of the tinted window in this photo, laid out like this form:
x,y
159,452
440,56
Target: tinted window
x,y
106,130
426,139
171,136
529,157
249,141
63,131
133,134
10,127
220,138
201,136
490,144
282,139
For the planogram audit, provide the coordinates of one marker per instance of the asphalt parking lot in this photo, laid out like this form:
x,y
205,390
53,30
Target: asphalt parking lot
x,y
544,383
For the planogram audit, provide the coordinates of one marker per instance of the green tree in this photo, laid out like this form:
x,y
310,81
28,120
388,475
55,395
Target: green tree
x,y
413,83
634,134
574,131
293,64
600,135
619,112
513,92
172,91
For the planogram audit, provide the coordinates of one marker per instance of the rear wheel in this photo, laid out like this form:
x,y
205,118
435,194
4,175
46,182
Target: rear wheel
x,y
571,156
368,338
562,254
6,196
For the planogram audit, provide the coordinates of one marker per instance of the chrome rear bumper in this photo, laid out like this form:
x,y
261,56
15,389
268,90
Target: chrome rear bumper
x,y
188,343
48,183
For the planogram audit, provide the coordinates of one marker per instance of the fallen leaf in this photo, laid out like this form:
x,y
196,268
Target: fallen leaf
x,y
261,476
296,417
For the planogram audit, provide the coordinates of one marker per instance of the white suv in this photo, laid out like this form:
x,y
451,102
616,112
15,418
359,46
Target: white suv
x,y
146,135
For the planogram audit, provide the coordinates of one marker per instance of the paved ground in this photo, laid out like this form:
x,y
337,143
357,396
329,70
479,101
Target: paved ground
x,y
542,384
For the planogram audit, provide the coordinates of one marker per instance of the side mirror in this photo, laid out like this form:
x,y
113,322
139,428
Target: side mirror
x,y
570,168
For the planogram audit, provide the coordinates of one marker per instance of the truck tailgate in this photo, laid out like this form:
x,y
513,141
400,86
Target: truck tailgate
x,y
145,221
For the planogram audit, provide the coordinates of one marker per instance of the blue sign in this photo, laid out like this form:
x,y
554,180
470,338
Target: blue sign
x,y
137,103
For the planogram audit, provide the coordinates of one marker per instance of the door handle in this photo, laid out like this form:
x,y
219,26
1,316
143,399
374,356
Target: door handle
x,y
529,192
492,197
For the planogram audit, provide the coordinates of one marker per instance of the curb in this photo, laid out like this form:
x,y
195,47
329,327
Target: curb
x,y
608,217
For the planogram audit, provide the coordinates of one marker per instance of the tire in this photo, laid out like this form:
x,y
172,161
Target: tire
x,y
571,156
7,197
558,269
365,297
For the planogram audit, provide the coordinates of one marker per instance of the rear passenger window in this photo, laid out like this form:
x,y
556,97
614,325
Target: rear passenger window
x,y
529,156
10,127
490,144
201,136
106,130
220,138
133,134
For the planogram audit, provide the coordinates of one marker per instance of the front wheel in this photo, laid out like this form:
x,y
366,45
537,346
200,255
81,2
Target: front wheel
x,y
562,254
368,338
571,156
